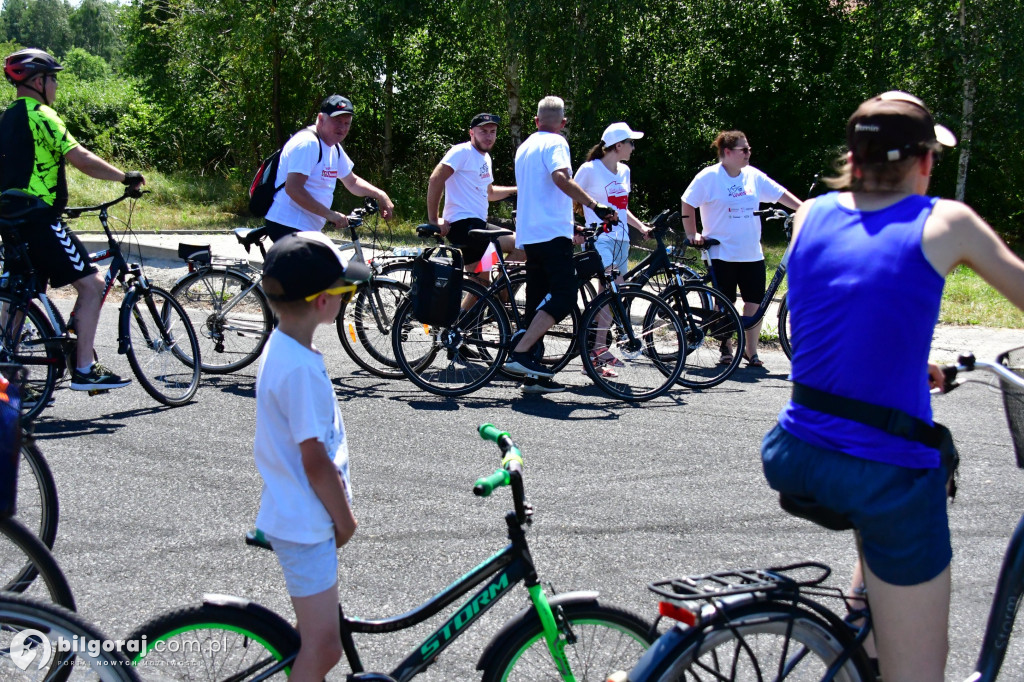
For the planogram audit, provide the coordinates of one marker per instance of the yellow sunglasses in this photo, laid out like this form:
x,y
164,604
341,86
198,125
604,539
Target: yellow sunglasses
x,y
345,290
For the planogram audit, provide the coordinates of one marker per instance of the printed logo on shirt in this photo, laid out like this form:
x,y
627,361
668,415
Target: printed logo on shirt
x,y
329,173
617,195
485,172
736,191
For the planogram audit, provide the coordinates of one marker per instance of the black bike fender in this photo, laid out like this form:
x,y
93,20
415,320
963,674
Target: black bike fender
x,y
251,608
530,614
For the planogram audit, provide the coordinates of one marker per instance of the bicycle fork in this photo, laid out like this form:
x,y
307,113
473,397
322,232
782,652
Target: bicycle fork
x,y
557,633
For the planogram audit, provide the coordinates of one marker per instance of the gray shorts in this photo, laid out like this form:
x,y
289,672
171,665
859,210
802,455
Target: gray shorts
x,y
308,569
614,252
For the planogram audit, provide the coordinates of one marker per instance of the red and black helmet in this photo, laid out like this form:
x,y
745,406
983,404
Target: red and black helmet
x,y
24,64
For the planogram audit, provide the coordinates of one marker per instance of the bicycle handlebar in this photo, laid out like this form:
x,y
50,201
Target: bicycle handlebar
x,y
510,473
129,193
967,363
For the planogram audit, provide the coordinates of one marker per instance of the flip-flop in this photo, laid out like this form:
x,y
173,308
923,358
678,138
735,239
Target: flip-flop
x,y
753,360
725,359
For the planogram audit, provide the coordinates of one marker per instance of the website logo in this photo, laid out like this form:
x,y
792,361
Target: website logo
x,y
27,645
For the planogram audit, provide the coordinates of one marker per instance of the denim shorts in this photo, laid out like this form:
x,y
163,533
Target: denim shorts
x,y
899,513
308,568
614,252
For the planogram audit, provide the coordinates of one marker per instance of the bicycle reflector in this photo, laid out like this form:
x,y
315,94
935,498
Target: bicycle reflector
x,y
676,612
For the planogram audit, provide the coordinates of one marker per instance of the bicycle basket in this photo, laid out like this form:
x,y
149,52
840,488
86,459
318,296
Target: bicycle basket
x,y
1013,400
11,377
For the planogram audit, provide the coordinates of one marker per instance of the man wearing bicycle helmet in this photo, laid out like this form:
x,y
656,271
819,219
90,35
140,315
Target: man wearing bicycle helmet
x,y
34,145
312,162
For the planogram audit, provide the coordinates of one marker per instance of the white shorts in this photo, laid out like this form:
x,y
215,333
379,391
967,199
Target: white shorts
x,y
614,252
308,569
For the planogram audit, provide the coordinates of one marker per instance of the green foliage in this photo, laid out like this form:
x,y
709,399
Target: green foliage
x,y
85,66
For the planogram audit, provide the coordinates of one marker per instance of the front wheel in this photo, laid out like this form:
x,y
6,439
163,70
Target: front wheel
x,y
233,315
214,642
23,559
26,338
785,333
709,320
601,640
37,493
161,345
631,344
364,326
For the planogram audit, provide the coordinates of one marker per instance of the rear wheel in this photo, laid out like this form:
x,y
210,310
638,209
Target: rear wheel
x,y
785,332
213,642
27,567
24,330
37,494
709,319
364,327
232,315
162,346
559,346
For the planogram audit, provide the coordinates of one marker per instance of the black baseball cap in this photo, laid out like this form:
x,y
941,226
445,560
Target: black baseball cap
x,y
481,119
305,263
336,105
892,126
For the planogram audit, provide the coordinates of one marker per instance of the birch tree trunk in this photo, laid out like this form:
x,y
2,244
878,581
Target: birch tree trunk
x,y
967,128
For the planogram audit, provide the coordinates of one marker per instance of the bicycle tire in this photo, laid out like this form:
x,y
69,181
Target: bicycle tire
x,y
757,642
30,346
560,344
23,558
86,662
433,357
364,327
785,333
633,370
161,345
608,638
246,642
37,502
708,319
232,340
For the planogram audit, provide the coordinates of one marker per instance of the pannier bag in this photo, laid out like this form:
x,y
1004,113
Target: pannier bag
x,y
588,264
436,291
10,437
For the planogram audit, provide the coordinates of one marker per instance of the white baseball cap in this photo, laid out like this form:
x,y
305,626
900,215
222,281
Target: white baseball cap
x,y
617,132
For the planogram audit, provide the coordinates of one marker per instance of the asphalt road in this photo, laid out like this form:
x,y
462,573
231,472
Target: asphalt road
x,y
155,501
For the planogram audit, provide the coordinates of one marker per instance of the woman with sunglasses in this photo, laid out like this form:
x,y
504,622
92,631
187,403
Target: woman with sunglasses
x,y
876,257
727,195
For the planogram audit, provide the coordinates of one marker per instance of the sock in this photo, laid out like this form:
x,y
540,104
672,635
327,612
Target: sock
x,y
87,368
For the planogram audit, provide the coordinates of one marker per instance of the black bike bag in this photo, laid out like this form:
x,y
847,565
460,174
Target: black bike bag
x,y
436,292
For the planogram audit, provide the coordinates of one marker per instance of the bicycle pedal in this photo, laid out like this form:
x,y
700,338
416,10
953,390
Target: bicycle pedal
x,y
98,391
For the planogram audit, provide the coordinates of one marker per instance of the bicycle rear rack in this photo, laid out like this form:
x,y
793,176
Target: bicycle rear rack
x,y
745,581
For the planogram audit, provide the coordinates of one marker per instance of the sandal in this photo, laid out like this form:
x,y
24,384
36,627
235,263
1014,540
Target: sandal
x,y
605,357
726,359
753,360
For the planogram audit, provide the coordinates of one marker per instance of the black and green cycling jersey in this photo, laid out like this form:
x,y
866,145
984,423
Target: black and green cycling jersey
x,y
33,144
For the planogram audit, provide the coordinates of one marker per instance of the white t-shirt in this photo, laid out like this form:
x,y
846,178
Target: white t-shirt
x,y
295,402
300,156
465,192
727,206
543,212
606,188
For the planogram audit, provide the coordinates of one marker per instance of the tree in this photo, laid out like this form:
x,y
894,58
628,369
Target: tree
x,y
94,28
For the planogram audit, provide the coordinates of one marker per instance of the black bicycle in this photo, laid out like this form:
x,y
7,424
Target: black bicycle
x,y
568,636
154,331
771,624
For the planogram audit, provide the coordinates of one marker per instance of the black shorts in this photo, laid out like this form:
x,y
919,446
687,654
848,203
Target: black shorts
x,y
458,236
749,277
551,283
56,253
276,230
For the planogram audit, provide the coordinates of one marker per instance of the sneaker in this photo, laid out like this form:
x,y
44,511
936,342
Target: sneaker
x,y
523,364
543,386
99,378
30,397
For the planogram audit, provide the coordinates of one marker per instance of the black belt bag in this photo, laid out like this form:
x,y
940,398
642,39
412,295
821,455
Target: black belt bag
x,y
888,419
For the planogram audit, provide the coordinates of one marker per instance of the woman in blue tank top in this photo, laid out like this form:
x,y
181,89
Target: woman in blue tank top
x,y
876,257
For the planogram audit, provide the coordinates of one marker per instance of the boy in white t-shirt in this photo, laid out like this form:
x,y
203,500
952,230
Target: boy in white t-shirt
x,y
312,162
300,448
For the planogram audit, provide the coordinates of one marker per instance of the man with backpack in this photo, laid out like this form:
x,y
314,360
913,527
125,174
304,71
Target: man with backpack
x,y
311,163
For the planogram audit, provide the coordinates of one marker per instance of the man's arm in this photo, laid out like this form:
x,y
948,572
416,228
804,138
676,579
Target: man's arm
x,y
295,187
435,188
361,188
326,483
570,187
499,193
93,166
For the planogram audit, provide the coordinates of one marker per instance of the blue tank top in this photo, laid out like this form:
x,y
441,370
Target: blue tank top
x,y
863,303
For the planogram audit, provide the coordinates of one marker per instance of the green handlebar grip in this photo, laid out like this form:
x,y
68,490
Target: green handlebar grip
x,y
492,433
486,485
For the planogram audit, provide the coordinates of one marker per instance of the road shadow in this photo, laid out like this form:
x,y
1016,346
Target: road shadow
x,y
242,385
45,427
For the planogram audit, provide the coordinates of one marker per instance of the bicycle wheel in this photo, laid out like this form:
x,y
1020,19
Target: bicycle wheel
x,y
214,642
34,634
785,332
23,558
607,638
233,317
455,360
766,641
23,331
709,319
559,345
162,347
364,327
37,493
631,344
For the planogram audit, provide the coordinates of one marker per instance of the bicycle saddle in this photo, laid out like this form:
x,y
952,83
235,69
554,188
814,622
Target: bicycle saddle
x,y
248,236
196,252
490,234
807,508
16,205
424,230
